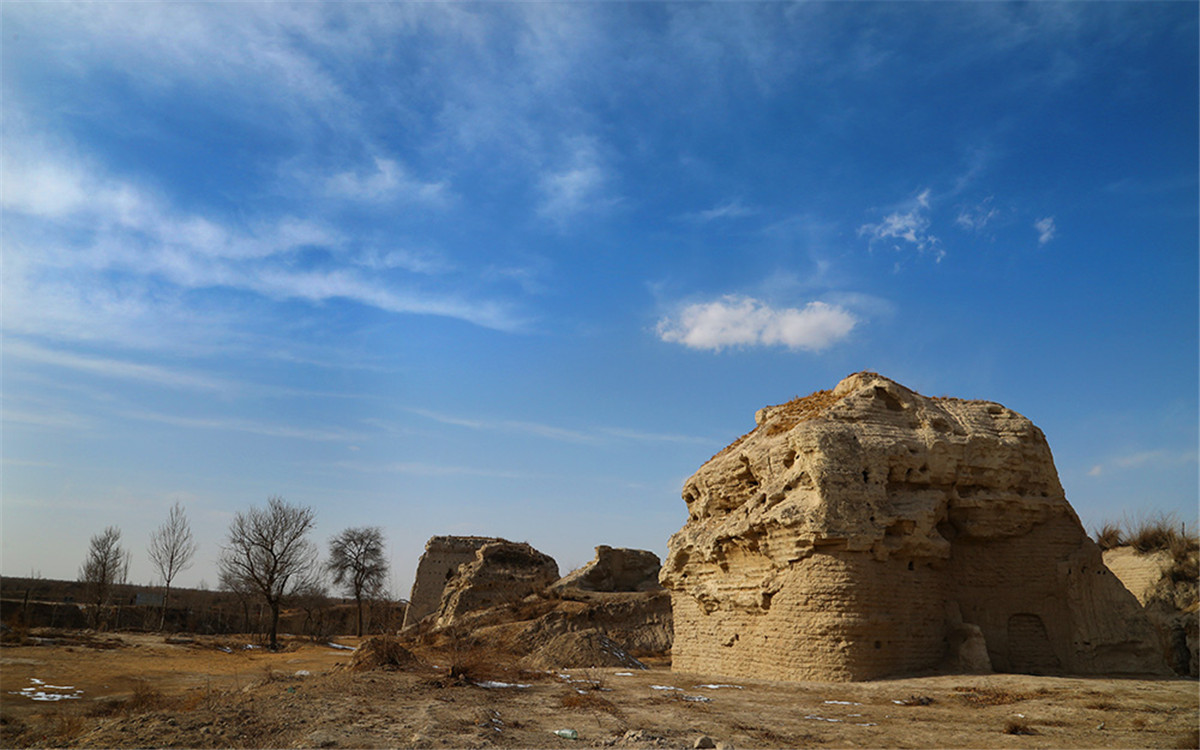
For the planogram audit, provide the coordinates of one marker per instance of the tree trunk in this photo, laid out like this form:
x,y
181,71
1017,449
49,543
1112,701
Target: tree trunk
x,y
275,625
358,600
166,598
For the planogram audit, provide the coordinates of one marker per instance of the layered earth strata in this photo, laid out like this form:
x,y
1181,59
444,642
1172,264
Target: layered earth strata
x,y
870,531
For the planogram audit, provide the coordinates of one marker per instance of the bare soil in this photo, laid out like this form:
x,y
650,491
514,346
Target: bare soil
x,y
140,691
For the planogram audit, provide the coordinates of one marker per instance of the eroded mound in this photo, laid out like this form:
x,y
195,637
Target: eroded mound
x,y
869,531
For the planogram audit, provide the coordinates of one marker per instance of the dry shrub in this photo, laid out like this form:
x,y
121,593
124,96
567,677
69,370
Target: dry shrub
x,y
1109,536
1014,726
1154,534
589,701
473,662
918,700
382,652
1188,741
990,696
144,697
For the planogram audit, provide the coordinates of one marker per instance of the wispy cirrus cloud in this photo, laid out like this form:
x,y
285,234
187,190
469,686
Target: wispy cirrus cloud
x,y
907,227
1046,229
553,432
71,227
580,184
976,218
730,209
734,321
386,180
1144,459
234,424
114,368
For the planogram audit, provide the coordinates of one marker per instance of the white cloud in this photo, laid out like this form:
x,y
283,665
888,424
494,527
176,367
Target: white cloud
x,y
731,209
113,368
556,433
578,186
975,218
909,224
1144,459
1045,229
86,255
387,180
224,424
744,321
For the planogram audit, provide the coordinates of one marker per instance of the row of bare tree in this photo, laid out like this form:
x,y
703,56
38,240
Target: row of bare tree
x,y
267,555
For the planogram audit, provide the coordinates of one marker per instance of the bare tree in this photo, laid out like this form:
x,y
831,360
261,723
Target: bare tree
x,y
268,551
171,551
107,564
357,563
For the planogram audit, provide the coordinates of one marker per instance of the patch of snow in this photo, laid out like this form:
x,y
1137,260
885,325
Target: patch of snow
x,y
664,687
697,699
38,692
340,646
717,687
226,649
844,703
623,674
814,717
303,673
494,684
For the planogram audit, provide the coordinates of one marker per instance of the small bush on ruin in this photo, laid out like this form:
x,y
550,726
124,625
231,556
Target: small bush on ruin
x,y
1109,536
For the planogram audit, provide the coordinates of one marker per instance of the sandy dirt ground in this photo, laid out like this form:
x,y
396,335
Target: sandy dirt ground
x,y
139,691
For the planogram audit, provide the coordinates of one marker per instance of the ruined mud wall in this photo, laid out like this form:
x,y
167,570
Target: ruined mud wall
x,y
859,532
438,564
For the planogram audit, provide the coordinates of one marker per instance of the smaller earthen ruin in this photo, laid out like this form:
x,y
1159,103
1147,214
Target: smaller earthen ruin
x,y
438,564
615,569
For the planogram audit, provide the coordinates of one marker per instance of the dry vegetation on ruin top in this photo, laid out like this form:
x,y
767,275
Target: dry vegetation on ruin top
x,y
787,415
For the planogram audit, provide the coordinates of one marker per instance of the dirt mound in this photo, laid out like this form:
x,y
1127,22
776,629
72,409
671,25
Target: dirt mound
x,y
581,648
382,652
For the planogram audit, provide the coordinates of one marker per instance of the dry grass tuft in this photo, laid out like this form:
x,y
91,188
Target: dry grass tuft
x,y
1109,536
1188,741
1014,726
589,701
974,696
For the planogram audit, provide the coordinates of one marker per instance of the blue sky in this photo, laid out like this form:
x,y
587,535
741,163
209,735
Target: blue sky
x,y
520,269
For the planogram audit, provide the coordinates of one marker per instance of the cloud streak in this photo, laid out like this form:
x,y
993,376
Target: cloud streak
x,y
734,321
71,228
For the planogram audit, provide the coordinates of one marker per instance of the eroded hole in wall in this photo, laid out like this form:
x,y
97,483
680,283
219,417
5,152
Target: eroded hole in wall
x,y
767,596
890,401
789,458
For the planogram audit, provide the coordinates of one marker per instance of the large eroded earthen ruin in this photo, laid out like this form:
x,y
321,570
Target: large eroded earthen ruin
x,y
870,531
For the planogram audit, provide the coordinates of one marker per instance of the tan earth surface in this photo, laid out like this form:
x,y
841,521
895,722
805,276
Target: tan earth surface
x,y
138,690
